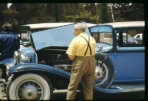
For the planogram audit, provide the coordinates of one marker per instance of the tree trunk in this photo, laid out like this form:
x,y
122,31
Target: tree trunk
x,y
112,12
56,13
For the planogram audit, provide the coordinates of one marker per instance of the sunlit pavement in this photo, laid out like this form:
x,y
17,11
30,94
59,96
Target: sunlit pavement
x,y
61,95
98,95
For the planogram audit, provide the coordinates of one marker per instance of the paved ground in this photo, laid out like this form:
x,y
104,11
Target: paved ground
x,y
61,95
103,96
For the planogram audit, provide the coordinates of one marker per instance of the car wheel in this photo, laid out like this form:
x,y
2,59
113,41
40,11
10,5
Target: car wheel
x,y
30,87
104,73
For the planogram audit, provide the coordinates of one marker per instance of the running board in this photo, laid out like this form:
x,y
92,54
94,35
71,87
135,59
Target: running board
x,y
121,88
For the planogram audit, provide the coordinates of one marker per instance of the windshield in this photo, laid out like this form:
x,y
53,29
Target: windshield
x,y
25,35
102,34
105,37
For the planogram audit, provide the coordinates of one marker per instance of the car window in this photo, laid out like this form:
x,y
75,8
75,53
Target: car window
x,y
138,36
125,35
128,38
103,37
25,36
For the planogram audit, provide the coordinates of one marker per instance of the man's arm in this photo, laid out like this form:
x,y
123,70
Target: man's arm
x,y
17,43
71,57
71,50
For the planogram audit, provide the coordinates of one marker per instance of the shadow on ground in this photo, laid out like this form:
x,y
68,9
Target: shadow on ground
x,y
104,96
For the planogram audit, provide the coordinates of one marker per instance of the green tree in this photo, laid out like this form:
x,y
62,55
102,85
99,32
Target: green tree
x,y
81,12
56,12
129,11
69,9
5,14
50,12
104,13
26,13
90,7
36,13
19,11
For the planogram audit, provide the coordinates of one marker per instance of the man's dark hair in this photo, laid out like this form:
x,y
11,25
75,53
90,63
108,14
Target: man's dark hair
x,y
7,27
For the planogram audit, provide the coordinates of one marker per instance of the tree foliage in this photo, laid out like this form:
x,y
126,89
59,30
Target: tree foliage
x,y
26,13
5,13
129,11
104,15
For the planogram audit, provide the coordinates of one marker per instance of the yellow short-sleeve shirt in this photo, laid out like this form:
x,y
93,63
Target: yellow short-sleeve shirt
x,y
78,45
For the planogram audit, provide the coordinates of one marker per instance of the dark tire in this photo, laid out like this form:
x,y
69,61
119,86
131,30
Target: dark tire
x,y
30,87
108,73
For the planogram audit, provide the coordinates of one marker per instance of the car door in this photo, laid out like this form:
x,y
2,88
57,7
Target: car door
x,y
130,62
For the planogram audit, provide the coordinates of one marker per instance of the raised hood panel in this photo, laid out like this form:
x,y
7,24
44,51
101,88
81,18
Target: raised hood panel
x,y
57,37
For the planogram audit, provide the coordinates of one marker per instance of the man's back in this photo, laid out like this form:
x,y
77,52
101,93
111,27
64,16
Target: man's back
x,y
79,45
81,50
9,42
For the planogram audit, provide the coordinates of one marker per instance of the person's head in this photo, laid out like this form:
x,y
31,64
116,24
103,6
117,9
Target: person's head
x,y
79,28
7,27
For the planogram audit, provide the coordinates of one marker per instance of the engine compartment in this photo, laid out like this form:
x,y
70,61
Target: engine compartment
x,y
56,58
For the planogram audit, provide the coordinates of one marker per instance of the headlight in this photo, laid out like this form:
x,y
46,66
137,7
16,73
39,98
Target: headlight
x,y
21,57
24,58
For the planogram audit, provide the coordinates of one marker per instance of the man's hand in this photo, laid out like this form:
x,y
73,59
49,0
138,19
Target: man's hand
x,y
71,57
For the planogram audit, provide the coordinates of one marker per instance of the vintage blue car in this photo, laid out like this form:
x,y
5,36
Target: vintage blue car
x,y
128,59
37,70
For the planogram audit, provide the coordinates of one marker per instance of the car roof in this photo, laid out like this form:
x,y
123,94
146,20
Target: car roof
x,y
45,25
126,24
52,25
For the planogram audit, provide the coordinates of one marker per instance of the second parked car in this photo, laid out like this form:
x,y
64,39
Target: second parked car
x,y
139,38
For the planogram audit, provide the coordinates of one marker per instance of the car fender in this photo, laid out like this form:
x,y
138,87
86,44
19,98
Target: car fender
x,y
34,67
27,67
9,62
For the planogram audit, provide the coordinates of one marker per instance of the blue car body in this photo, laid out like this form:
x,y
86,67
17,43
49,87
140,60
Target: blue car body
x,y
128,62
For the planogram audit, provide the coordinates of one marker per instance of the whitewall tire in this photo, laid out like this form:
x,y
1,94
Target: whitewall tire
x,y
30,87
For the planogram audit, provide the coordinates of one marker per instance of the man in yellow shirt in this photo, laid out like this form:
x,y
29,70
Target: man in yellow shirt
x,y
81,51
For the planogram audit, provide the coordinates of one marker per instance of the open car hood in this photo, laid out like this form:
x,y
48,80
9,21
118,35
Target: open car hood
x,y
56,37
